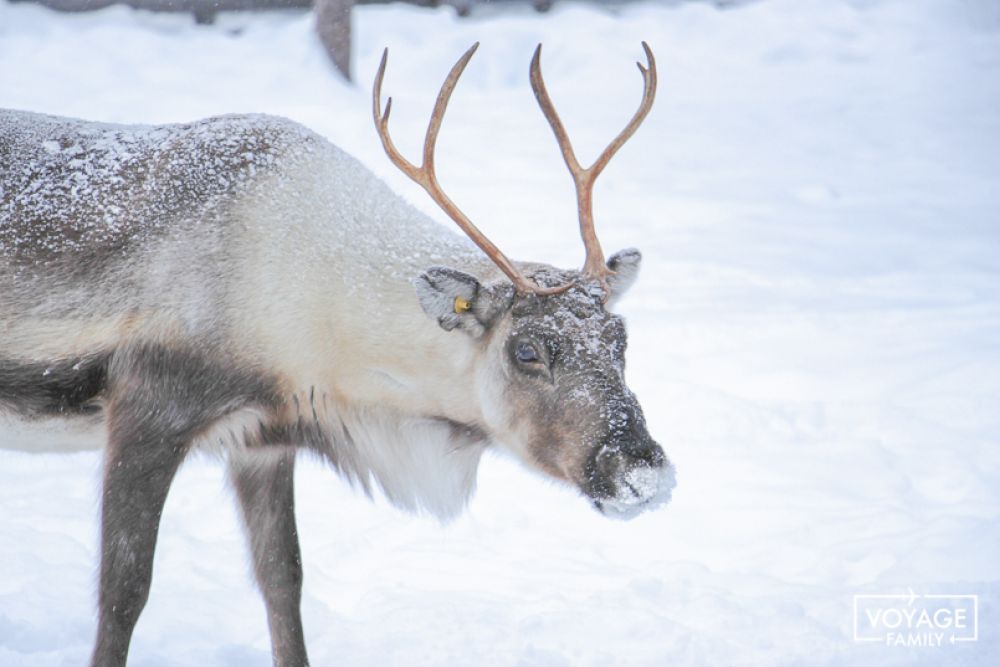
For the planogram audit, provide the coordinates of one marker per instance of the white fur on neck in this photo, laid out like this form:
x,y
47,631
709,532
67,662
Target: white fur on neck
x,y
420,464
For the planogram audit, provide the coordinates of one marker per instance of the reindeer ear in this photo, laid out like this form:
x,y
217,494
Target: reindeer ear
x,y
458,300
625,264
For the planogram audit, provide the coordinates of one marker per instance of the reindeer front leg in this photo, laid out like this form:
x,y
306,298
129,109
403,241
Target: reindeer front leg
x,y
141,461
264,486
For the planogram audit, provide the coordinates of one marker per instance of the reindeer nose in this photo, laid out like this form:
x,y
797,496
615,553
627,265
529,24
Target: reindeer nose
x,y
617,454
628,477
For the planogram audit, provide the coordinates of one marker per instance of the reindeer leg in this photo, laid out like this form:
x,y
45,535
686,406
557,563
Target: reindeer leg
x,y
140,465
263,485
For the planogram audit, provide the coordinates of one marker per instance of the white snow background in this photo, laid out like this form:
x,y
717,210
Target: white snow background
x,y
815,336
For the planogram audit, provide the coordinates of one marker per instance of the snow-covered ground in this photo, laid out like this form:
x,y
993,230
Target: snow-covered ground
x,y
815,337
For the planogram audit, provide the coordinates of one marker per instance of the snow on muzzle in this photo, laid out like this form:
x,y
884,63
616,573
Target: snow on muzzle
x,y
624,482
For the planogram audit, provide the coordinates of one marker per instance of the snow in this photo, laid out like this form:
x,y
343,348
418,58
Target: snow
x,y
813,335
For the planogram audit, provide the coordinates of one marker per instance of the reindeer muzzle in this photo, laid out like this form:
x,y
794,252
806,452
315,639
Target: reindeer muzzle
x,y
625,481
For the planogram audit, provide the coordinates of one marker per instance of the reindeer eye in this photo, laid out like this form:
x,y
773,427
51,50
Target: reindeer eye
x,y
526,353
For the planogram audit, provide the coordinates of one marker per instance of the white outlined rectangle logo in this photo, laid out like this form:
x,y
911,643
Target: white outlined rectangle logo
x,y
912,620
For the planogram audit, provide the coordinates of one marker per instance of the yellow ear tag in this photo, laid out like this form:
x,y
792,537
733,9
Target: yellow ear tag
x,y
461,305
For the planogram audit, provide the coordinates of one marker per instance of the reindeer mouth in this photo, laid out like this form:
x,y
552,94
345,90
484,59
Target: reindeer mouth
x,y
641,489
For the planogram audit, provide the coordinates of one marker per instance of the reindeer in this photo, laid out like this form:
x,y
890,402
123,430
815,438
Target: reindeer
x,y
240,284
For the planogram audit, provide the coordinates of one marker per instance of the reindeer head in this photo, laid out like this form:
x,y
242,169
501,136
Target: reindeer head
x,y
551,385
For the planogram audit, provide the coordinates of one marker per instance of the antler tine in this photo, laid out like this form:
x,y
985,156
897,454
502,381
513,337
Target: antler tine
x,y
426,176
440,106
594,265
648,94
545,102
382,124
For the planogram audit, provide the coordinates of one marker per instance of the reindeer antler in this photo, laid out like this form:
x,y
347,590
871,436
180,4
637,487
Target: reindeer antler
x,y
594,266
425,175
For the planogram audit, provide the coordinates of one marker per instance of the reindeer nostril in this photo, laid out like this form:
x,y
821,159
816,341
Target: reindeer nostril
x,y
650,454
657,457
